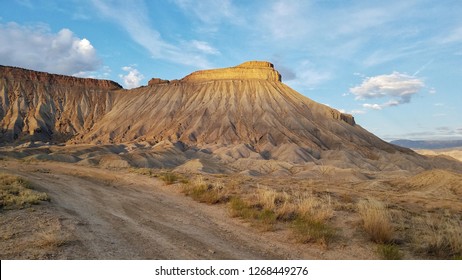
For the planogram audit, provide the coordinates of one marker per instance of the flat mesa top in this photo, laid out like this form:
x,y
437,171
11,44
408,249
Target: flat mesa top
x,y
250,70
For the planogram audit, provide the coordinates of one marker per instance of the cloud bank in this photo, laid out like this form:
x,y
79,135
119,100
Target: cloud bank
x,y
398,88
35,47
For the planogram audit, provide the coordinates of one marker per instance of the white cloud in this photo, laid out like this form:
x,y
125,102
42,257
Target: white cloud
x,y
133,78
352,112
35,47
133,17
398,88
373,106
204,47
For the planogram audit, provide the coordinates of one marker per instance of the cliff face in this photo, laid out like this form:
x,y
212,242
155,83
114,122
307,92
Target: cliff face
x,y
30,76
41,106
251,70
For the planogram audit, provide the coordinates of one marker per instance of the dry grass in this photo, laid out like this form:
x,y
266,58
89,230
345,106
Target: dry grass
x,y
52,239
169,177
264,219
308,210
376,220
143,171
205,192
15,193
271,199
312,215
308,229
319,209
305,214
438,236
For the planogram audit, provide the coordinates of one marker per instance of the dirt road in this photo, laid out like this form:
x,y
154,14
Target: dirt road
x,y
121,215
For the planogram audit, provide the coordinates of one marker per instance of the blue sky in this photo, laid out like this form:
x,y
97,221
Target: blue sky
x,y
395,65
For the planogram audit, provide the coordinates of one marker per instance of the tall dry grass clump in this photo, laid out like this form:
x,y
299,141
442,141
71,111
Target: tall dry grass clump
x,y
168,177
376,220
15,192
311,219
271,199
318,208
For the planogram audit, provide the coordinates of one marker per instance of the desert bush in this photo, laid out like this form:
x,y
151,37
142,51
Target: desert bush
x,y
168,177
267,198
389,252
52,238
15,192
240,208
376,220
271,199
318,209
204,192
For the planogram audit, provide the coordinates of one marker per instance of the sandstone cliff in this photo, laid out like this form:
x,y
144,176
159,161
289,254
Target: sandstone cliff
x,y
251,70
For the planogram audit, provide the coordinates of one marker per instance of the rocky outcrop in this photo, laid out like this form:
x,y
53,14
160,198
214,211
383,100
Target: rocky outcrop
x,y
349,119
157,81
31,77
46,107
251,70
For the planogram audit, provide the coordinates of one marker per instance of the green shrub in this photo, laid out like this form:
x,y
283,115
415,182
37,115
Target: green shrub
x,y
307,229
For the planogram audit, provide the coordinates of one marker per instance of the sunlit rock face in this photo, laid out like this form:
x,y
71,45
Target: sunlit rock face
x,y
251,70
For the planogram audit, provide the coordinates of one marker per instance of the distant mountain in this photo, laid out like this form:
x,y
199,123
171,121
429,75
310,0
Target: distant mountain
x,y
427,144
